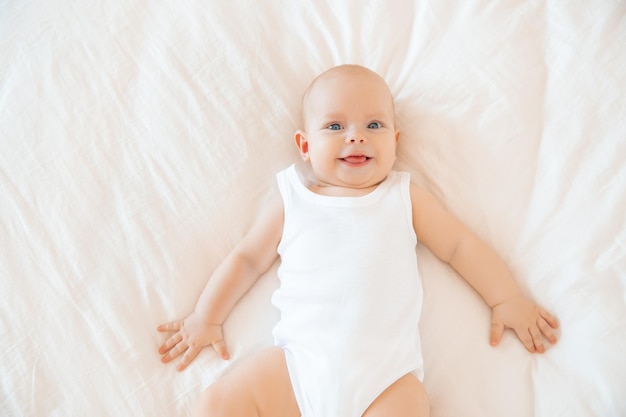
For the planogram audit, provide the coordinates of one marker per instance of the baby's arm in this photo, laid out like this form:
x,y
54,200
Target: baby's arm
x,y
229,282
454,243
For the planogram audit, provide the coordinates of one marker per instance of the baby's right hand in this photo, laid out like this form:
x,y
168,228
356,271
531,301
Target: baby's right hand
x,y
191,335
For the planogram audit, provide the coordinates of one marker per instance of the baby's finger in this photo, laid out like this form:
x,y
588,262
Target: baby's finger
x,y
496,333
537,339
172,326
220,348
546,329
189,356
174,352
549,318
170,343
526,339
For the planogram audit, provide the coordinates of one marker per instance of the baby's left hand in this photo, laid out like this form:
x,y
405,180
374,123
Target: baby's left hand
x,y
529,321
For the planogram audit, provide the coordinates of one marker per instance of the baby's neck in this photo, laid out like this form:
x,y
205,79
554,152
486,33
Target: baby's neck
x,y
334,187
332,190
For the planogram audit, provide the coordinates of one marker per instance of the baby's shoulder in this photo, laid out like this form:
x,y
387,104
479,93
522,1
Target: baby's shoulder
x,y
419,192
423,201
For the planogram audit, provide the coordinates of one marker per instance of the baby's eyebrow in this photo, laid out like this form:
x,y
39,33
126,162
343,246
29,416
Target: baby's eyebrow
x,y
332,116
340,116
378,116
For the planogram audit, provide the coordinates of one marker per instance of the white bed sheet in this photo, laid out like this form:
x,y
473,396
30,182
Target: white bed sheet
x,y
138,139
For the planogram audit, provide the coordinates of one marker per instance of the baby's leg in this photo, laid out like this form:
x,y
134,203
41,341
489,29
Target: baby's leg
x,y
259,387
404,398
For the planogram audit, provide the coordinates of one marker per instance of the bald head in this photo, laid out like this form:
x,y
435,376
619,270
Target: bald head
x,y
360,76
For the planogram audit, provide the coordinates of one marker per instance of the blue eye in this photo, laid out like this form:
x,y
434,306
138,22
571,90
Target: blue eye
x,y
374,125
334,126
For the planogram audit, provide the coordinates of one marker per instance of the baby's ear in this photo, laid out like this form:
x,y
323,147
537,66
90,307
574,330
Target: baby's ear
x,y
302,143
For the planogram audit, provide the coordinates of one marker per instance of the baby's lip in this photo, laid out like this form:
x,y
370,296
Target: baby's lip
x,y
356,159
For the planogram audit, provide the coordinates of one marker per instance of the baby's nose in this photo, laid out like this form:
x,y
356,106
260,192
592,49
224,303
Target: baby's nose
x,y
355,137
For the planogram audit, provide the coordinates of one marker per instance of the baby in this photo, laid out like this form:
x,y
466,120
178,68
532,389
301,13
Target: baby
x,y
347,343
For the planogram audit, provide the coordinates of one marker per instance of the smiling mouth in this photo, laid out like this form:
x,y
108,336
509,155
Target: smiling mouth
x,y
356,159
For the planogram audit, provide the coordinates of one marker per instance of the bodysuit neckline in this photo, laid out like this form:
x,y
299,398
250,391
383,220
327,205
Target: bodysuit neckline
x,y
335,201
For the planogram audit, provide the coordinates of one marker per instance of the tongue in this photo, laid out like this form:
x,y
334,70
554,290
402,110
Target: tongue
x,y
355,159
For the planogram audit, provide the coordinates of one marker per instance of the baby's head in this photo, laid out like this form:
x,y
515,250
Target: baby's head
x,y
340,74
349,134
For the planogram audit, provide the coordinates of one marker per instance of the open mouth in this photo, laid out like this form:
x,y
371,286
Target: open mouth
x,y
356,159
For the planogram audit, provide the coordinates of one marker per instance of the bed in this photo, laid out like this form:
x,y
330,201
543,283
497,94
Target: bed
x,y
138,140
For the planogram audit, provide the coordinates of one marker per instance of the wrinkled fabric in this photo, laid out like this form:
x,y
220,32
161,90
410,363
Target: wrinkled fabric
x,y
139,139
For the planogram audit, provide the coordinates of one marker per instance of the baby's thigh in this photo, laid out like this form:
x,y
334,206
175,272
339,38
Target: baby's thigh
x,y
404,398
258,387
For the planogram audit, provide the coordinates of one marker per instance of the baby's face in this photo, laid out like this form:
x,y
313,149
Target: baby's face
x,y
349,132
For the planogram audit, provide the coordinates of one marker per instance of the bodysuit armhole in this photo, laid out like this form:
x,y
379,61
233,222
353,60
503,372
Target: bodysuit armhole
x,y
283,181
283,186
405,187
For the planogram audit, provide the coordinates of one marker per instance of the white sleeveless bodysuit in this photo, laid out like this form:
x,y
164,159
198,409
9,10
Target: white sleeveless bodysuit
x,y
350,294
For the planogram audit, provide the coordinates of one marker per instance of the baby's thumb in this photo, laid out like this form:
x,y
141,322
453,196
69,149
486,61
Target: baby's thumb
x,y
496,333
220,348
